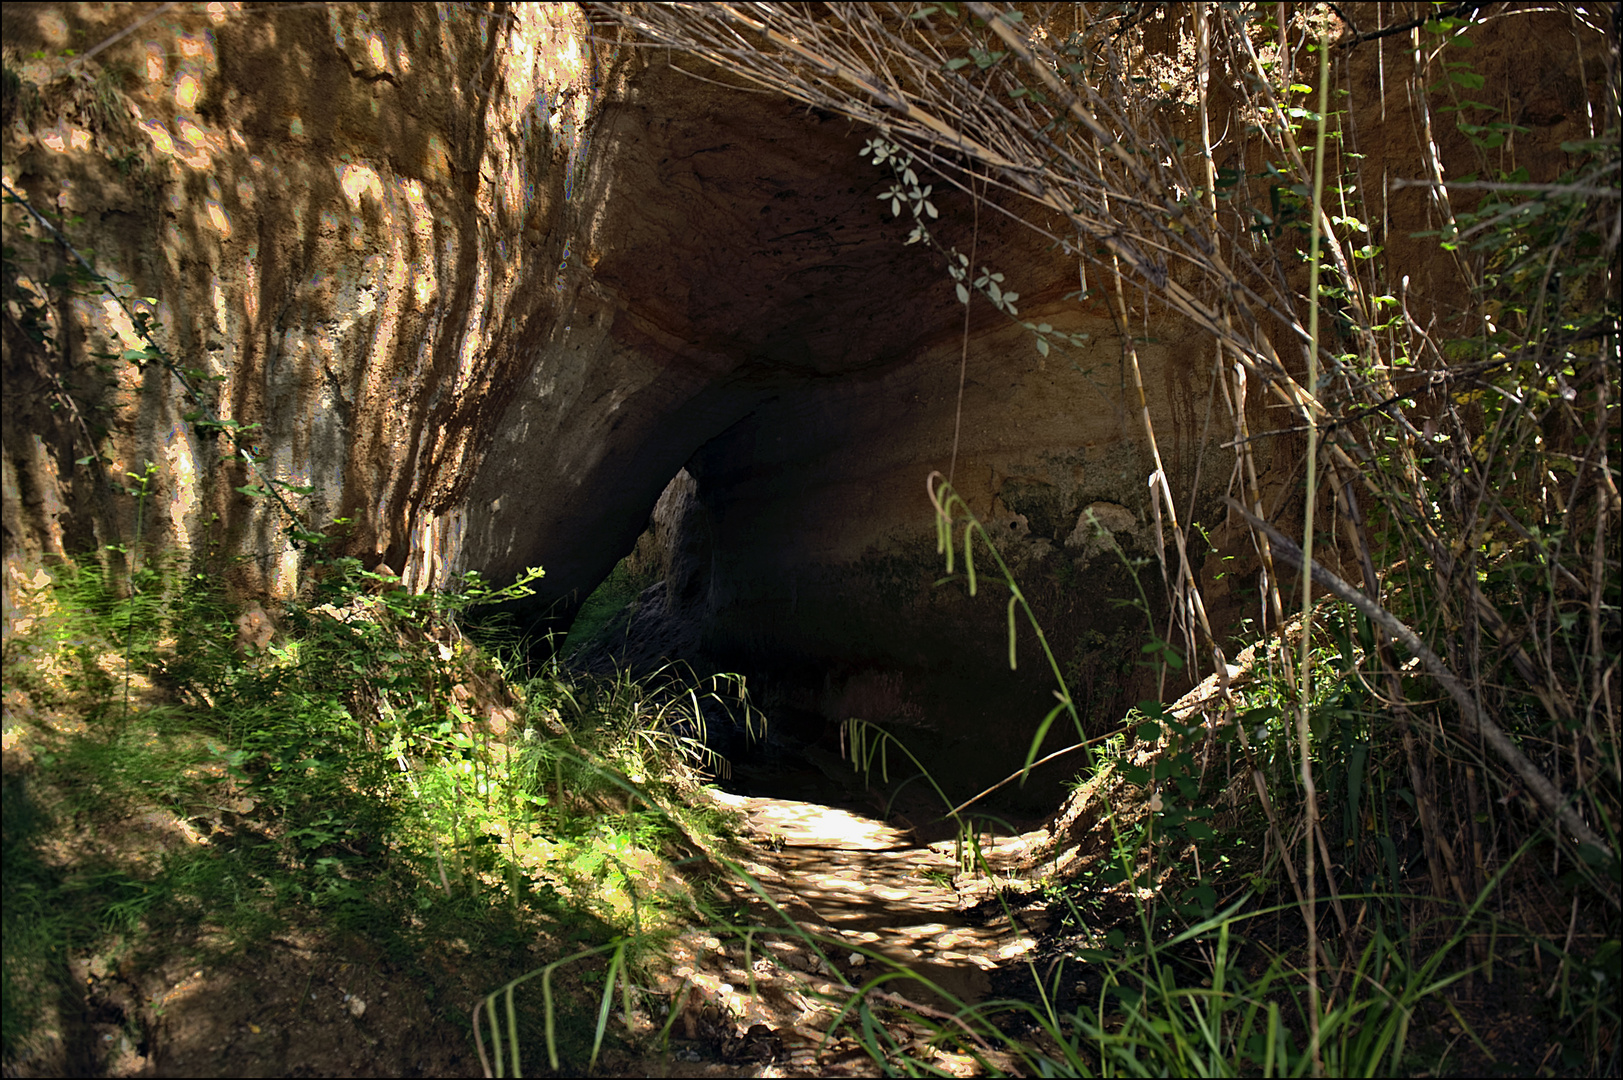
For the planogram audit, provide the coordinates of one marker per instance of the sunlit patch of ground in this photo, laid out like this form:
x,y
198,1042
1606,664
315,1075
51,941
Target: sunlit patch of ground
x,y
855,898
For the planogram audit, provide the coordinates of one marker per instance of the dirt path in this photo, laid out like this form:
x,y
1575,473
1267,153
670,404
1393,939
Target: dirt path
x,y
871,895
861,895
880,891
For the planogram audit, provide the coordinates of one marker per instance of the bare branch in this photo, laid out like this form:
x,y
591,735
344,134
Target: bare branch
x,y
1476,721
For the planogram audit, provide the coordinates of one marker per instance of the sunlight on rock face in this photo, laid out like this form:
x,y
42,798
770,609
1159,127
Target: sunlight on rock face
x,y
356,180
118,323
199,158
184,501
54,29
250,291
1016,948
417,249
217,215
197,48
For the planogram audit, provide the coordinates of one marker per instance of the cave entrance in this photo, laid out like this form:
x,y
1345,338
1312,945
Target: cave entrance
x,y
750,316
709,586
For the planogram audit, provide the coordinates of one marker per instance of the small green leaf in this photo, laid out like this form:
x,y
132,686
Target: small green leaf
x,y
1012,601
1592,854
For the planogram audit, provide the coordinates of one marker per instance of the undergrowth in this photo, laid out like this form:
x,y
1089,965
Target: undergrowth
x,y
1408,805
597,618
358,765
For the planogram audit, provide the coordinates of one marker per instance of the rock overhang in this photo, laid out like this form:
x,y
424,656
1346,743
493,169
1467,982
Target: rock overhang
x,y
486,301
753,315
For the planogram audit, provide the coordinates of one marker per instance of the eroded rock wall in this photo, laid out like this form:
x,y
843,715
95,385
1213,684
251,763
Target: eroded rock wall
x,y
487,286
352,217
753,313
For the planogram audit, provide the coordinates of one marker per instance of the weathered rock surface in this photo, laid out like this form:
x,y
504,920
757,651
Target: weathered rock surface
x,y
488,285
351,216
487,289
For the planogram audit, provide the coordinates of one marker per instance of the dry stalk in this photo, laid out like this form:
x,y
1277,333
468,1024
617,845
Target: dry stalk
x,y
1475,721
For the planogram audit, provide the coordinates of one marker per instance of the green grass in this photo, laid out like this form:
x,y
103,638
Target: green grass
x,y
187,794
599,612
340,779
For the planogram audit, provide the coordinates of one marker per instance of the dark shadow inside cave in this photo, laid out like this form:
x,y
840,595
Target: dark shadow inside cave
x,y
713,583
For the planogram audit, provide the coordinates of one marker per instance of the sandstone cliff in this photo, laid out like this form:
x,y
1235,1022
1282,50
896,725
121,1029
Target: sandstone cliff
x,y
487,279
